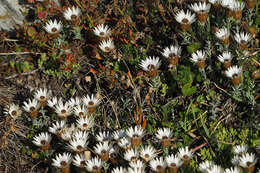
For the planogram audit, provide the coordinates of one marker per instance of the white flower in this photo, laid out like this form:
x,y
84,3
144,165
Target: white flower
x,y
75,101
53,101
227,3
78,144
216,169
119,170
62,160
42,94
118,134
79,160
63,109
185,18
150,63
80,111
232,170
205,166
42,139
131,155
185,153
222,33
198,56
31,106
214,1
13,110
137,131
235,160
173,161
91,101
172,51
102,30
242,37
163,133
94,164
72,13
103,147
239,149
53,27
57,126
85,123
237,6
103,136
233,71
138,164
158,164
135,170
247,160
148,153
81,135
107,45
201,7
124,143
67,132
226,56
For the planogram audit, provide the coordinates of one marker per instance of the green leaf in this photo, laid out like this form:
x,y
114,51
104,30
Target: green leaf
x,y
193,47
188,90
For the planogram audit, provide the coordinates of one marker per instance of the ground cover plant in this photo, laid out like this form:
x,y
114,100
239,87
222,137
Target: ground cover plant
x,y
131,86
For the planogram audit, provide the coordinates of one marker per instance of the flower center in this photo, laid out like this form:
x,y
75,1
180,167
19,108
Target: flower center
x,y
14,113
107,48
32,109
185,157
73,17
165,138
79,147
159,168
82,163
54,30
101,33
242,42
173,164
90,103
63,163
43,142
185,20
172,55
63,111
95,168
103,152
81,114
151,67
85,125
42,98
248,163
235,75
147,156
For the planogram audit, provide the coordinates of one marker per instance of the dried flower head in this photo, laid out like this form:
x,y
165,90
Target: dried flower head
x,y
13,110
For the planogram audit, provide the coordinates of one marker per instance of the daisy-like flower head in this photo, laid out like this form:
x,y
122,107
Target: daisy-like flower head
x,y
31,106
72,13
158,164
242,39
138,164
103,149
164,135
235,160
205,166
42,140
102,30
53,27
13,110
135,134
79,160
103,136
80,135
199,58
201,7
85,123
80,111
57,127
151,65
173,161
107,45
62,160
185,154
240,149
216,169
63,110
185,19
94,165
78,144
124,143
232,170
135,170
234,72
131,155
118,134
227,3
91,102
42,95
148,153
172,51
67,132
223,34
75,101
237,6
247,160
119,170
226,56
